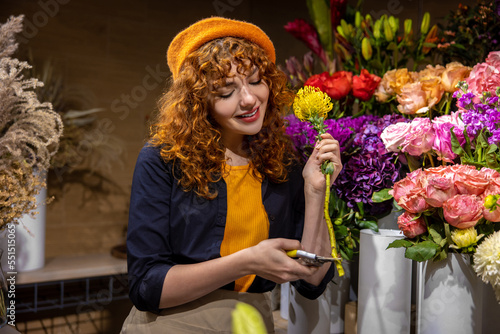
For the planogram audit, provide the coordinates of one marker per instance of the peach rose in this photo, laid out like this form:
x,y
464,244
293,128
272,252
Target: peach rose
x,y
463,211
454,73
412,99
410,226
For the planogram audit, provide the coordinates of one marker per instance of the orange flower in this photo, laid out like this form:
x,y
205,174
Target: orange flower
x,y
413,99
432,37
433,90
454,73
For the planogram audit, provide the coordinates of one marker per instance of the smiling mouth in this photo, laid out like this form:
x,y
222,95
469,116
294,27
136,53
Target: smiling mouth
x,y
249,115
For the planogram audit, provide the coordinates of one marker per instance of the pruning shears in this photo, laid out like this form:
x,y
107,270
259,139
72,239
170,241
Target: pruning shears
x,y
310,258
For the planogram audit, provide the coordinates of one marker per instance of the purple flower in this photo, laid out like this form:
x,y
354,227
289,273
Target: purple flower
x,y
363,174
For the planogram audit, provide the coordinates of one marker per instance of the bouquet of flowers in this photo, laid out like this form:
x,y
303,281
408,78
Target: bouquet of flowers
x,y
368,168
454,207
422,93
30,131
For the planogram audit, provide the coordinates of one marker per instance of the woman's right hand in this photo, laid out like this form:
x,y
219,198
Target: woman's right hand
x,y
269,260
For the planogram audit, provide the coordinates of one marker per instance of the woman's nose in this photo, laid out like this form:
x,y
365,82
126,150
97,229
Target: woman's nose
x,y
247,97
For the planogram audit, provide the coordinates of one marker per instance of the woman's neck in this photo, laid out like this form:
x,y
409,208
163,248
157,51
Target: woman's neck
x,y
236,157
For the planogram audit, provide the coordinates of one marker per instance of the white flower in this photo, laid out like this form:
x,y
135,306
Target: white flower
x,y
487,262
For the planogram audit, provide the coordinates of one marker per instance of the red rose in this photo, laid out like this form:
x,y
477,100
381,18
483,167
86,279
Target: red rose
x,y
338,85
317,80
364,85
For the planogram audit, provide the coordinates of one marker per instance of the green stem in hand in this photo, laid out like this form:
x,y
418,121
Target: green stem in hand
x,y
327,168
331,232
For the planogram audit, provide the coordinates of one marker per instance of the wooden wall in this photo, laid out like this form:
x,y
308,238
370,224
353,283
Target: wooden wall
x,y
114,52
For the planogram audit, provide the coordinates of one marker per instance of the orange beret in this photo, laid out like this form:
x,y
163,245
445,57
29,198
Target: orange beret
x,y
206,30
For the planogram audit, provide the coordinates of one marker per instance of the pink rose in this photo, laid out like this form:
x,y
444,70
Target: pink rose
x,y
404,186
439,190
420,137
489,173
414,201
463,211
394,135
493,59
470,181
483,78
410,226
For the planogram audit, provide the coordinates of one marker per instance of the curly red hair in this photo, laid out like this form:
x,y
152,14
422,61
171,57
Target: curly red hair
x,y
191,139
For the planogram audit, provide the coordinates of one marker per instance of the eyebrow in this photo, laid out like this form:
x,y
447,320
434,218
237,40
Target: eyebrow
x,y
231,83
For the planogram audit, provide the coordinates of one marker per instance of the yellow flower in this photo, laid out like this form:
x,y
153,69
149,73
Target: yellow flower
x,y
311,101
465,238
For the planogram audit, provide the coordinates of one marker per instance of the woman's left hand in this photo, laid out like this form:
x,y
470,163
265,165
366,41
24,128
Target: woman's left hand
x,y
327,149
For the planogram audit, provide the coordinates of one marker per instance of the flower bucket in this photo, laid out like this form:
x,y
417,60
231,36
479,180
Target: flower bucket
x,y
384,290
449,296
29,237
284,300
323,315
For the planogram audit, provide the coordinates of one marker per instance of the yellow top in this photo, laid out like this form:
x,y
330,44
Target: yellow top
x,y
246,222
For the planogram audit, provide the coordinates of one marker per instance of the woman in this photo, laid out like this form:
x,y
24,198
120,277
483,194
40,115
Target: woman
x,y
217,195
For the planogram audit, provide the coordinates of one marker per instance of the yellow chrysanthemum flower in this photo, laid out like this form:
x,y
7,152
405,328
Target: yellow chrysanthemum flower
x,y
465,238
311,101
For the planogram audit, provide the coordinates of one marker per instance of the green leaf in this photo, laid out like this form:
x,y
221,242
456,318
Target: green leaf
x,y
371,224
400,243
381,196
422,251
320,14
340,231
360,208
435,235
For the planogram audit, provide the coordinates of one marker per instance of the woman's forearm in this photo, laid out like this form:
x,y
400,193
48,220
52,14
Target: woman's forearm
x,y
315,235
185,283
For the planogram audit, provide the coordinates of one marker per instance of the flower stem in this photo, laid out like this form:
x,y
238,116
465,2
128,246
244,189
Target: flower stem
x,y
331,233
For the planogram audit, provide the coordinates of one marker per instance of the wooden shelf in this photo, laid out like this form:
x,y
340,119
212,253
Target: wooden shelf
x,y
74,267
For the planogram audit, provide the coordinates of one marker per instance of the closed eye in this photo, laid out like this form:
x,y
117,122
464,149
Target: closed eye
x,y
256,82
226,96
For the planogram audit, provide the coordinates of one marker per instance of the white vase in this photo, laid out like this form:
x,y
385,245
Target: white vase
x,y
384,290
449,297
389,222
284,300
491,311
29,239
324,314
308,316
339,291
